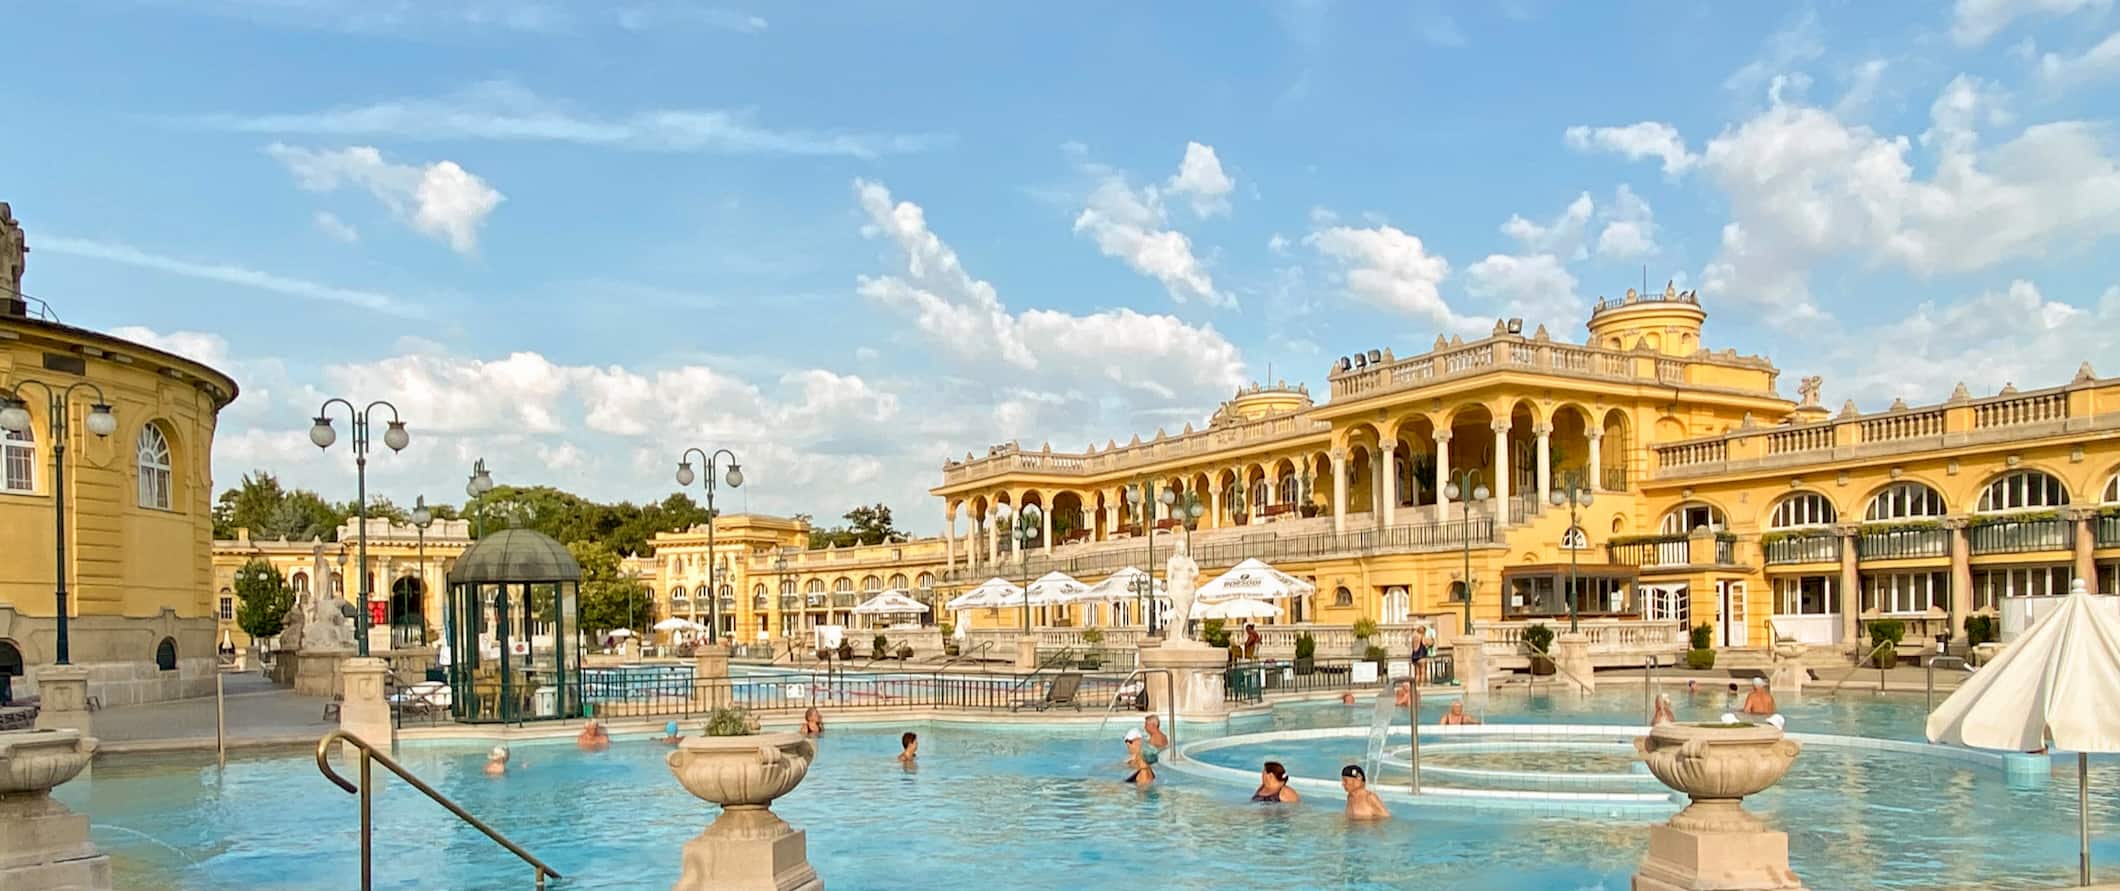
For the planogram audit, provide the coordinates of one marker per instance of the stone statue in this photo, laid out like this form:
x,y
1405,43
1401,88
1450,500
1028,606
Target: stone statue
x,y
326,626
1180,574
13,251
1808,389
291,623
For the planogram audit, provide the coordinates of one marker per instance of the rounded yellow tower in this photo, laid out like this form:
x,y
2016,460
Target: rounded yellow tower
x,y
1667,323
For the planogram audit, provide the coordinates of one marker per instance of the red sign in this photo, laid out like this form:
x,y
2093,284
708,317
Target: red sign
x,y
375,612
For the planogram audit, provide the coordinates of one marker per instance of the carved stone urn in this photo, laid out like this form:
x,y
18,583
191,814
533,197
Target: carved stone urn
x,y
1713,843
45,844
748,847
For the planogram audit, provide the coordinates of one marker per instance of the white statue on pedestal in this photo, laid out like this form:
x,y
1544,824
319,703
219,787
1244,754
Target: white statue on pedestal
x,y
325,627
1180,574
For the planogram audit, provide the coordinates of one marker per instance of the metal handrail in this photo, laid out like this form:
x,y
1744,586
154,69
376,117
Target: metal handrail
x,y
1581,683
1872,654
1060,658
369,754
981,648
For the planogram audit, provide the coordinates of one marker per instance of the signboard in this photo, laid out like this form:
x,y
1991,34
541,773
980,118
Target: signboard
x,y
829,636
375,612
1365,672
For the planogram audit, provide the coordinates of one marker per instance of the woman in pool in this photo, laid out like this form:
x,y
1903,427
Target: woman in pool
x,y
670,735
497,761
1456,714
1136,759
1663,715
812,722
908,748
1273,785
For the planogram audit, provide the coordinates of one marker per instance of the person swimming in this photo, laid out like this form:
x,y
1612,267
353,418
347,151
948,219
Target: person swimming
x,y
1362,801
1273,785
592,737
1759,701
1664,714
670,735
908,748
1153,726
1142,773
812,722
497,761
1457,714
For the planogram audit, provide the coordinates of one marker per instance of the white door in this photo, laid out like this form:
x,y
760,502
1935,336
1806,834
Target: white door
x,y
1730,612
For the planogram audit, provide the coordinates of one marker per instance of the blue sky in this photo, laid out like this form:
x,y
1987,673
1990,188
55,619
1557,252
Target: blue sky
x,y
846,239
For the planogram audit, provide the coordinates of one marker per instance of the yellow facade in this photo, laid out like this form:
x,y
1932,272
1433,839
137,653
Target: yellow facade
x,y
773,585
407,571
137,510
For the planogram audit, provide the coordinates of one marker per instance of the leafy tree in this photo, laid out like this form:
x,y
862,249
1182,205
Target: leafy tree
x,y
269,511
868,524
379,507
610,598
265,599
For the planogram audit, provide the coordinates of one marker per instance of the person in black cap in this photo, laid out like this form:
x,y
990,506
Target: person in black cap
x,y
1362,804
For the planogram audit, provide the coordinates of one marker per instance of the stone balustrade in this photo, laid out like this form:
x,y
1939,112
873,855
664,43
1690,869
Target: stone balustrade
x,y
1612,642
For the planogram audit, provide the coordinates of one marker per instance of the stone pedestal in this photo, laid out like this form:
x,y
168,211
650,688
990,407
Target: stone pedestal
x,y
1468,660
748,847
1714,845
1027,653
317,672
365,713
63,690
1196,674
1571,655
1789,673
45,845
710,678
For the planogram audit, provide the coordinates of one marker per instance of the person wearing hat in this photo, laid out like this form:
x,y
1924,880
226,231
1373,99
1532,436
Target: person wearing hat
x,y
1137,759
670,735
1362,802
497,761
1759,701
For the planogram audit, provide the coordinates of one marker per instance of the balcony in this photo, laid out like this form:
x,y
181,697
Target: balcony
x,y
1801,547
1675,549
2107,529
1226,550
2017,535
1902,542
790,602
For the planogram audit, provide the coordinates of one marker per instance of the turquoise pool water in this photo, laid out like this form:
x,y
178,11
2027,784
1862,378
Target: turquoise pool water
x,y
1041,808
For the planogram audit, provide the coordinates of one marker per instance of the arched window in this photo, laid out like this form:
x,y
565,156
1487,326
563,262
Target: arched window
x,y
1259,492
842,585
166,654
1801,509
787,586
338,584
2023,490
677,594
1903,501
897,581
18,461
1687,517
925,582
1342,597
1575,540
871,583
301,583
758,595
816,586
1291,487
154,468
2111,495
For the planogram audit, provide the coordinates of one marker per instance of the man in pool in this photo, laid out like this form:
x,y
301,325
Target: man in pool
x,y
1759,701
497,761
1457,715
670,735
1152,726
908,748
1362,802
592,737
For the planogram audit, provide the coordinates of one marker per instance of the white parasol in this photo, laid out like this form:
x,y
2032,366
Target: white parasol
x,y
1055,587
622,632
891,603
2057,681
1123,585
990,593
674,623
1256,579
1239,608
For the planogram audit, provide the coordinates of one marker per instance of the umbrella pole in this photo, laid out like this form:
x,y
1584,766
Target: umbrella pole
x,y
2083,819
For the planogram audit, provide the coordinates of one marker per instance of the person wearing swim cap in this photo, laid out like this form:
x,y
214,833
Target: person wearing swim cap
x,y
1137,759
670,735
1362,801
1759,702
497,761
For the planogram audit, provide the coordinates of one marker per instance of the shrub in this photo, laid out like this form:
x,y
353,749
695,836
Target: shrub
x,y
879,646
1702,636
1213,634
1376,654
905,651
1306,646
1701,659
846,651
1885,635
1093,636
731,721
1365,628
1539,638
1979,630
946,628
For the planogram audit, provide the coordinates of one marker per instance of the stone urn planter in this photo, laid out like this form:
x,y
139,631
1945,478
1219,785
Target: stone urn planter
x,y
45,844
748,847
1713,843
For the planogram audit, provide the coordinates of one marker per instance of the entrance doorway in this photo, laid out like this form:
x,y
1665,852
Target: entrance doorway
x,y
408,616
1730,614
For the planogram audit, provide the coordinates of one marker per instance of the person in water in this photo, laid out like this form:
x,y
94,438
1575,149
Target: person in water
x,y
1402,694
812,722
1152,726
1362,802
670,735
1664,714
1273,785
1759,701
1141,773
1457,714
1347,699
497,761
908,748
592,737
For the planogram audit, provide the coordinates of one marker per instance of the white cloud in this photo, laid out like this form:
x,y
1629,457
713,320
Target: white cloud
x,y
654,16
1388,268
1278,244
866,354
505,112
1537,287
1974,21
1133,224
337,229
372,301
1794,44
1939,345
1564,236
441,200
1647,139
2097,63
1630,227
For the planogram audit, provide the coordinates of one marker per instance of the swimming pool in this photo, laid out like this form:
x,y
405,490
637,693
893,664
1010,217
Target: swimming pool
x,y
1040,807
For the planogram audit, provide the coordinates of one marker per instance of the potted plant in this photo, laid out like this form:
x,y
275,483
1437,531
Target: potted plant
x,y
1376,654
879,647
1091,658
1979,630
1213,633
1306,653
1538,641
1885,635
949,640
734,765
846,651
1702,656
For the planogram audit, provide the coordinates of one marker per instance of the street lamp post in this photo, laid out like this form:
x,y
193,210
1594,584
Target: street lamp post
x,y
1142,496
14,417
1465,488
421,519
396,438
476,488
1023,530
735,479
1573,494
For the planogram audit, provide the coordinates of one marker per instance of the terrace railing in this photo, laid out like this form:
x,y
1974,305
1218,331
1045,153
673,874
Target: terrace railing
x,y
682,694
1229,550
1822,547
1903,543
2011,536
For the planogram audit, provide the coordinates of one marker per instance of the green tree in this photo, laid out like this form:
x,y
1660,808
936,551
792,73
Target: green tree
x,y
265,599
269,511
610,598
868,524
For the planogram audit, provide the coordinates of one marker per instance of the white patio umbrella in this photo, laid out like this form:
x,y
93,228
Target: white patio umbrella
x,y
990,593
1239,608
1055,587
1122,585
622,632
674,623
2058,681
1253,578
891,603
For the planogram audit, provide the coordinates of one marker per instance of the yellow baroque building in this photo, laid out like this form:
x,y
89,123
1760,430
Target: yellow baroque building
x,y
771,585
406,566
137,519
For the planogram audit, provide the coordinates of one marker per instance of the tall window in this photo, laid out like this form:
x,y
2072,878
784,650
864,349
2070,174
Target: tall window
x,y
1906,593
677,594
2023,490
1801,509
1688,517
1291,486
301,583
898,581
842,584
2111,495
787,586
1808,595
1260,491
1991,585
18,461
871,583
700,593
154,468
1903,501
925,581
228,608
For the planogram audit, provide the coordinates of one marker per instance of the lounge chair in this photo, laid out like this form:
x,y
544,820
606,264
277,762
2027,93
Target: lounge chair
x,y
1060,692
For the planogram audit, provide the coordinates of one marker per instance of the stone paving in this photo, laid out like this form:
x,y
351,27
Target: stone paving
x,y
258,713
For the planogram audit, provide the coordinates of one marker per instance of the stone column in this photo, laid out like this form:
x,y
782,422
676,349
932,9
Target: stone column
x,y
1961,578
1850,589
1214,508
1196,679
1545,464
1442,474
993,539
1027,652
949,541
1468,658
365,713
1571,656
1387,483
1501,474
1045,533
710,677
1339,490
1597,462
64,690
46,844
2086,563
